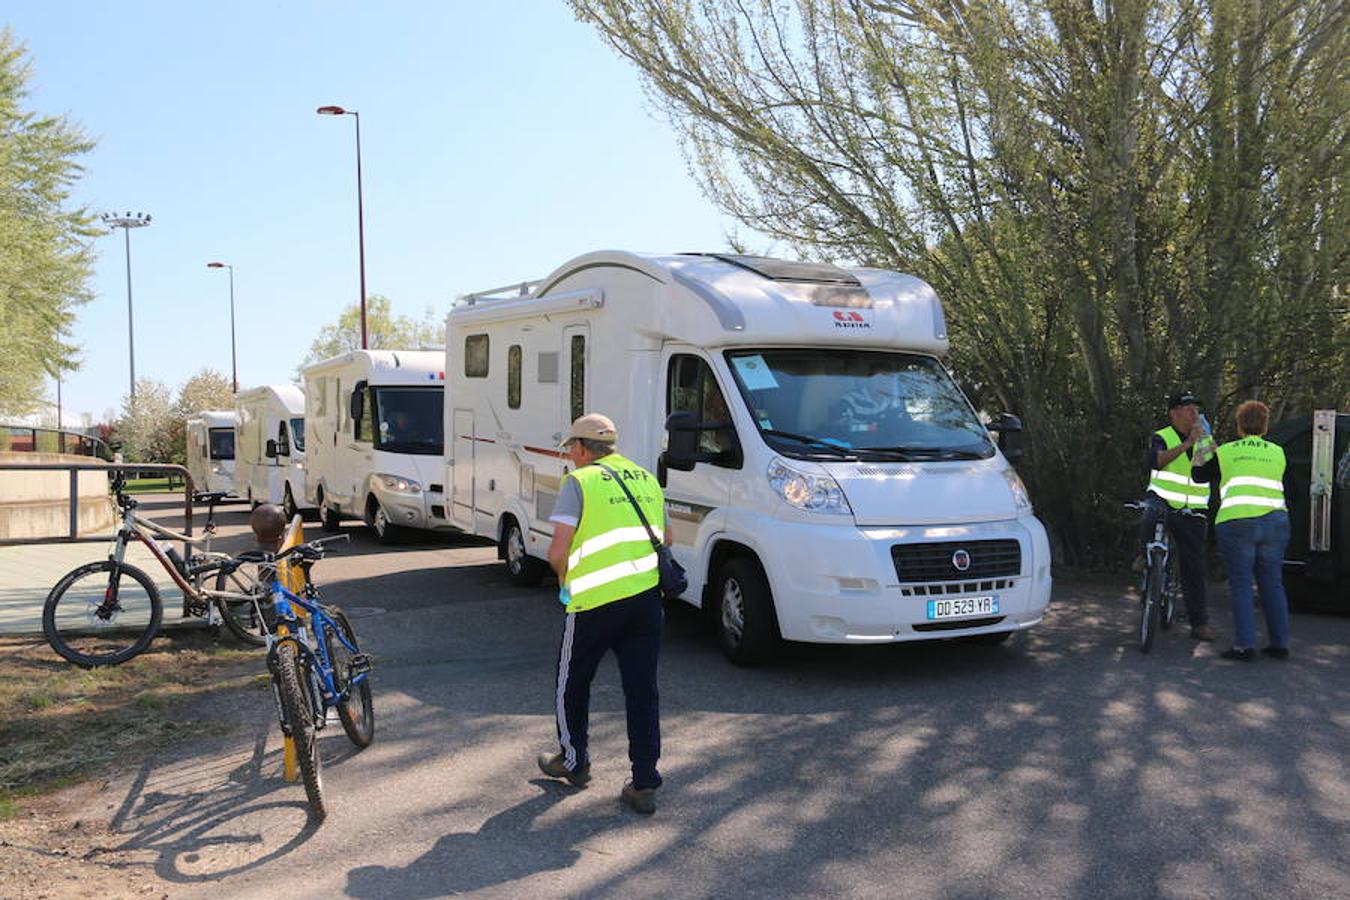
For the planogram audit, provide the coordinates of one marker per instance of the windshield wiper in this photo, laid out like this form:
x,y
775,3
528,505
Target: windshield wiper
x,y
836,449
916,452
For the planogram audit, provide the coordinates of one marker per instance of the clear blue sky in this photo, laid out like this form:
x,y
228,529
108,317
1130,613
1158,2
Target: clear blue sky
x,y
499,139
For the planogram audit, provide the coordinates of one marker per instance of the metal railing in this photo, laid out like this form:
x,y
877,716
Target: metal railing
x,y
73,536
30,439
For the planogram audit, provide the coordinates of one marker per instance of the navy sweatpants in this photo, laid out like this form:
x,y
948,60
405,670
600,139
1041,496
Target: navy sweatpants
x,y
632,629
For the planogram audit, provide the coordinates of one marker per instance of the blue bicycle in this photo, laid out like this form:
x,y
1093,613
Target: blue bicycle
x,y
316,665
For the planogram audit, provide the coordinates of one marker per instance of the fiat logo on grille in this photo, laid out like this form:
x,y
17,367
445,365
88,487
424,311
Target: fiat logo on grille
x,y
961,560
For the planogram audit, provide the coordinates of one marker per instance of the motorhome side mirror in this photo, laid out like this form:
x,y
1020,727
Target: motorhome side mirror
x,y
271,451
682,445
358,400
1009,430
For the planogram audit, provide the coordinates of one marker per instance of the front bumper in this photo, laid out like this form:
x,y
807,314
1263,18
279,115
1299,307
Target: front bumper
x,y
425,511
838,584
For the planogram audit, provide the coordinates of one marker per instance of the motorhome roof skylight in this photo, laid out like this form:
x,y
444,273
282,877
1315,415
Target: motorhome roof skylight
x,y
787,270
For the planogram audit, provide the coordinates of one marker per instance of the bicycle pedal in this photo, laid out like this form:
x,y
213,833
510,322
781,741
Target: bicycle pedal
x,y
359,664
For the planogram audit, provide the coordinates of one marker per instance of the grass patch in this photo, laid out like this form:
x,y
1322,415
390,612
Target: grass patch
x,y
153,486
64,723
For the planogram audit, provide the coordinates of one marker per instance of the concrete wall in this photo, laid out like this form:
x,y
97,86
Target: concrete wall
x,y
37,504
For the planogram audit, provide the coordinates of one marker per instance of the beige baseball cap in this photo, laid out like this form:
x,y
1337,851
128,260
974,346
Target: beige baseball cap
x,y
592,427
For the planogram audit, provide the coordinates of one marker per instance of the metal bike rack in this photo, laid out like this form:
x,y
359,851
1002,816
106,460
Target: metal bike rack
x,y
73,537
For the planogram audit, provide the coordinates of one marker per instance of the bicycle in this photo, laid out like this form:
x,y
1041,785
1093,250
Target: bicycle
x,y
316,665
104,613
1160,585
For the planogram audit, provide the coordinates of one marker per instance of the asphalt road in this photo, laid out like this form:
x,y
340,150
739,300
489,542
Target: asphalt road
x,y
1062,764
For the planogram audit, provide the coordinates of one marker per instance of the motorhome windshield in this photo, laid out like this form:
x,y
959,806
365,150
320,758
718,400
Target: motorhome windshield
x,y
222,443
298,434
817,403
408,420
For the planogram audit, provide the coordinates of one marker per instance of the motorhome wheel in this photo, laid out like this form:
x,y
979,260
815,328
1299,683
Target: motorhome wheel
x,y
524,570
747,627
288,504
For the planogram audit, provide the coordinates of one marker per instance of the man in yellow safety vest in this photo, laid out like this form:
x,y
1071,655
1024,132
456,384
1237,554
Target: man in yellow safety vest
x,y
607,565
1171,492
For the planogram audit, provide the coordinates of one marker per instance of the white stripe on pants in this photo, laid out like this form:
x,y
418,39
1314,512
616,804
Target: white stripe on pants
x,y
564,663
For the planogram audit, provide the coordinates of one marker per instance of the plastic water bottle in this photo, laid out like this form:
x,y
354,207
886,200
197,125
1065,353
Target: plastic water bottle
x,y
564,595
1204,448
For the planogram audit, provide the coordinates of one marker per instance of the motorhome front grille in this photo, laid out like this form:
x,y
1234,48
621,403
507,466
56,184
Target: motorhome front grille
x,y
957,587
957,560
959,624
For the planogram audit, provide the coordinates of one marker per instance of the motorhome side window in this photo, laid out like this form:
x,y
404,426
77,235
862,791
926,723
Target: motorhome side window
x,y
691,387
476,356
364,427
578,392
298,429
513,364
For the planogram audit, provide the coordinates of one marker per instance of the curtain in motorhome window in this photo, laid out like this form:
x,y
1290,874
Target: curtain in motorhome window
x,y
365,426
476,356
513,364
691,387
578,391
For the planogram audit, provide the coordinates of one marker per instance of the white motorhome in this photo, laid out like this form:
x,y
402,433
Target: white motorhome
x,y
825,478
210,451
269,446
374,445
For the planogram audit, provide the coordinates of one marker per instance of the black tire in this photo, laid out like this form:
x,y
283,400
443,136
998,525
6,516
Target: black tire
x,y
358,712
1150,610
289,677
81,635
747,626
386,532
523,570
329,520
1168,614
288,505
249,622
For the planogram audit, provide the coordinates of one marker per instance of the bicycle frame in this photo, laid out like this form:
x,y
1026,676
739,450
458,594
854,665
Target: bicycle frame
x,y
292,629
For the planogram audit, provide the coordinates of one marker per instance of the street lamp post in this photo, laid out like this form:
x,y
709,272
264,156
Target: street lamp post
x,y
234,364
126,223
360,217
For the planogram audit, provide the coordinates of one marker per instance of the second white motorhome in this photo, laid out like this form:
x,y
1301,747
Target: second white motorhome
x,y
270,447
210,451
374,445
826,480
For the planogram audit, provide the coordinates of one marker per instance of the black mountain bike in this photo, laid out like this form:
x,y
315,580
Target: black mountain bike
x,y
1160,586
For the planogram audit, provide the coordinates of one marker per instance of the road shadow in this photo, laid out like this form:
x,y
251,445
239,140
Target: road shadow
x,y
506,848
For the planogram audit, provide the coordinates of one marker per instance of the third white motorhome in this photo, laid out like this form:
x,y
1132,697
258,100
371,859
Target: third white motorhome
x,y
270,447
374,446
210,451
825,477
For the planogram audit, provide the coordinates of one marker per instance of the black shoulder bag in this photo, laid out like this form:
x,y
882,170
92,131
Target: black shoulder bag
x,y
673,580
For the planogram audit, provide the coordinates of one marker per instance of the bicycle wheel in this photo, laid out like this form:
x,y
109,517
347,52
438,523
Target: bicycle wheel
x,y
357,712
1170,593
289,681
102,614
1150,611
248,620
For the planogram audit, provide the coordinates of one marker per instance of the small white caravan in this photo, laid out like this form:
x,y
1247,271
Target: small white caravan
x,y
825,477
210,451
269,464
374,445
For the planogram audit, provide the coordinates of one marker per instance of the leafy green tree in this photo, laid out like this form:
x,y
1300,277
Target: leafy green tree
x,y
385,331
1113,199
45,244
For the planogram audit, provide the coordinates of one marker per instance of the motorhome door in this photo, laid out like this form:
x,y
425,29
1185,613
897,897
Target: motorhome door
x,y
462,448
691,386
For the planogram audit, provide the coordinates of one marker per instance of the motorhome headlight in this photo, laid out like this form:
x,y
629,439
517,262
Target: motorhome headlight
x,y
399,485
217,468
1021,499
806,490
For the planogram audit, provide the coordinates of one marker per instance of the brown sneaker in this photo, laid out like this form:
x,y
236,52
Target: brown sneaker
x,y
555,767
641,800
1202,633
